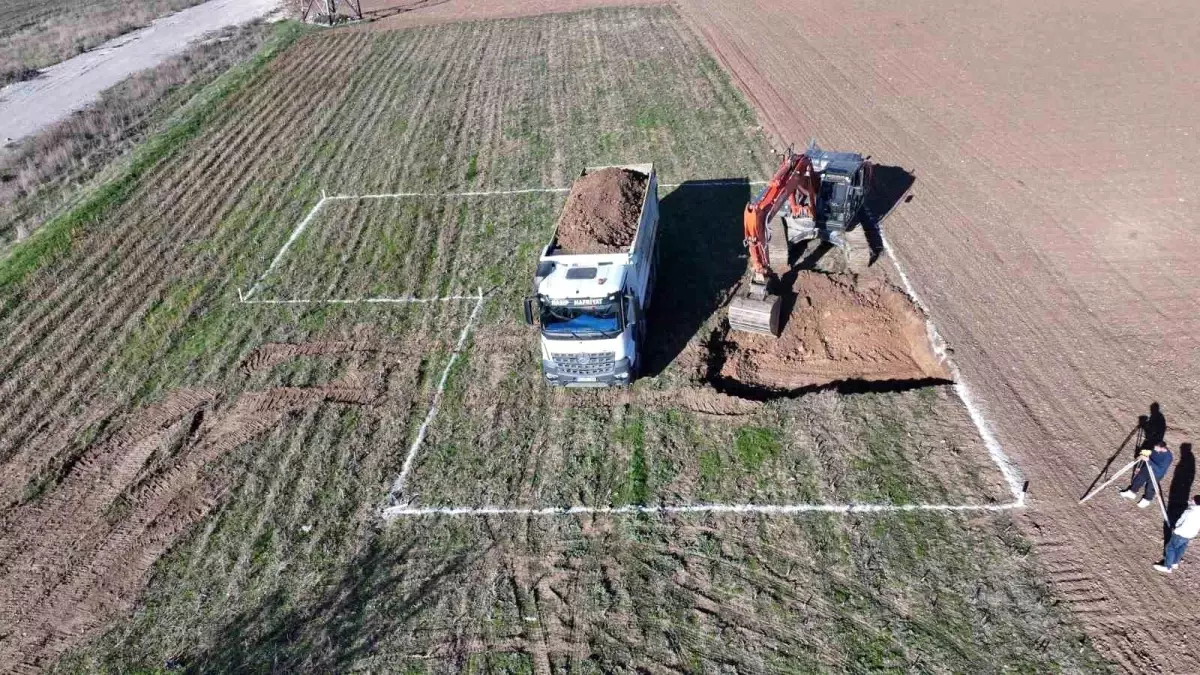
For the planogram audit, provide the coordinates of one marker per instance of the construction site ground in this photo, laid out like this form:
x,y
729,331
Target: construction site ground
x,y
203,417
1052,232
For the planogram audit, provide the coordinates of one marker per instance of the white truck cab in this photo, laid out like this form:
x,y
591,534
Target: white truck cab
x,y
591,308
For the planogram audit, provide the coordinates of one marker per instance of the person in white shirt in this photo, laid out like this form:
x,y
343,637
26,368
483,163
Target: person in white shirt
x,y
1186,529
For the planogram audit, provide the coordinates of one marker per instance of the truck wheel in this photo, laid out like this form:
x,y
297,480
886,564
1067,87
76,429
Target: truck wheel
x,y
639,336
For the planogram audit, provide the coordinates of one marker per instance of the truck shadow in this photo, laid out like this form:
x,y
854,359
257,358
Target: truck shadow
x,y
700,259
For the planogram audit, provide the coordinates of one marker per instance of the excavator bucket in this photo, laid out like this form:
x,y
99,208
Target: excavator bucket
x,y
755,312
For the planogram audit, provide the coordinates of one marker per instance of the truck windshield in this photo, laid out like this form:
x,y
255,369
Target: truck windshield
x,y
592,321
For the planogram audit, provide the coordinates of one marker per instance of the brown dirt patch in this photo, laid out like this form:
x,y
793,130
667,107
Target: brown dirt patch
x,y
601,213
274,353
81,554
841,328
702,400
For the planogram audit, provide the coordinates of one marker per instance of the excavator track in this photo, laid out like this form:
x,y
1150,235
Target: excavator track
x,y
755,313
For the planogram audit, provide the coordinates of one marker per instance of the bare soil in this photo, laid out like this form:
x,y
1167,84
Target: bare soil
x,y
841,328
81,553
601,213
1070,306
274,353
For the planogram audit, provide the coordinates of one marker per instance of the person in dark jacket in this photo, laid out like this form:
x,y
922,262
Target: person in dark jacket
x,y
1158,460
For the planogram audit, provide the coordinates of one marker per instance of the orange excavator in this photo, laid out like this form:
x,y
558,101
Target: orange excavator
x,y
814,195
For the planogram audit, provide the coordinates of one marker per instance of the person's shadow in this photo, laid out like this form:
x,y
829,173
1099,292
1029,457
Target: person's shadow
x,y
1153,427
1179,495
1150,431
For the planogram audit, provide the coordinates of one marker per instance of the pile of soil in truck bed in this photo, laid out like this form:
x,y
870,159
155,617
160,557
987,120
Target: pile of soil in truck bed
x,y
840,328
601,213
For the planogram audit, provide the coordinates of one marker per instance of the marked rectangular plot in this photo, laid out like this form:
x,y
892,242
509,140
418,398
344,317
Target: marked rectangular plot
x,y
504,439
355,248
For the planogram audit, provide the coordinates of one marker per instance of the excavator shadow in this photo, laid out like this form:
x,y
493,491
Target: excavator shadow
x,y
700,258
889,184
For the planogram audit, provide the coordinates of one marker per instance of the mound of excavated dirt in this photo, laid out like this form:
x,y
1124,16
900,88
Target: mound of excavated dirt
x,y
840,328
601,213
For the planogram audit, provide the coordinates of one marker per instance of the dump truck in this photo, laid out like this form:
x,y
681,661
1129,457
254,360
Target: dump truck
x,y
594,280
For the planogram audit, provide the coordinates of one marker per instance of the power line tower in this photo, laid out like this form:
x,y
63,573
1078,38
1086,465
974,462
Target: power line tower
x,y
329,10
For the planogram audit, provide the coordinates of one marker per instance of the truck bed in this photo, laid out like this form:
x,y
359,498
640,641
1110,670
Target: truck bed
x,y
602,212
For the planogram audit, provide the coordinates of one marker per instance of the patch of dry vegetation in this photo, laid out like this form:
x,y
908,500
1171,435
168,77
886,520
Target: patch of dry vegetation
x,y
34,35
41,175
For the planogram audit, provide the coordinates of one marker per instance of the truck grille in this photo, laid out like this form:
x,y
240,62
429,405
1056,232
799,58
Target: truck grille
x,y
585,364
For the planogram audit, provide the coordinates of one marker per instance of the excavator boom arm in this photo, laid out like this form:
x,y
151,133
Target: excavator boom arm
x,y
794,183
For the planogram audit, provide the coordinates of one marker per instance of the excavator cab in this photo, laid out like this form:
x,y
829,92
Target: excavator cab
x,y
845,177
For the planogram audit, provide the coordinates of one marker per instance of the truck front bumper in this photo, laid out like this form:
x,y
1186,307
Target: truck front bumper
x,y
619,376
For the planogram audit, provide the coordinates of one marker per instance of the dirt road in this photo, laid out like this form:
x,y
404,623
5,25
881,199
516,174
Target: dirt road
x,y
1051,228
30,106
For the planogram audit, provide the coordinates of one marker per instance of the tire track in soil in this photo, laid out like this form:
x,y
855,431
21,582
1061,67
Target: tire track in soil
x,y
71,562
273,354
280,478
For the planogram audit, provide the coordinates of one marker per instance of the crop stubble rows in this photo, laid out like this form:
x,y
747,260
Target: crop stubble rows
x,y
286,570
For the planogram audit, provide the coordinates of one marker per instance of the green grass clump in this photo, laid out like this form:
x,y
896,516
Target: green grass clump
x,y
755,445
635,490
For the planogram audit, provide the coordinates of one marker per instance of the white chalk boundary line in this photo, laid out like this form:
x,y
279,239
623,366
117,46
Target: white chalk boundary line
x,y
248,297
769,509
1006,466
398,486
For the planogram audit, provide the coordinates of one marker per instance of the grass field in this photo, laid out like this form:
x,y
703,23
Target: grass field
x,y
244,451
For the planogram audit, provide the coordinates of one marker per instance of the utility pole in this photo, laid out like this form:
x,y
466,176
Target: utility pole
x,y
329,10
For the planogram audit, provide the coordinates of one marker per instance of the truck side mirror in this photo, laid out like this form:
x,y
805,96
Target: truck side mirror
x,y
635,310
529,310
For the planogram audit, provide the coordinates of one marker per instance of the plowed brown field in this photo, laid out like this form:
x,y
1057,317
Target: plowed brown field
x,y
1053,232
